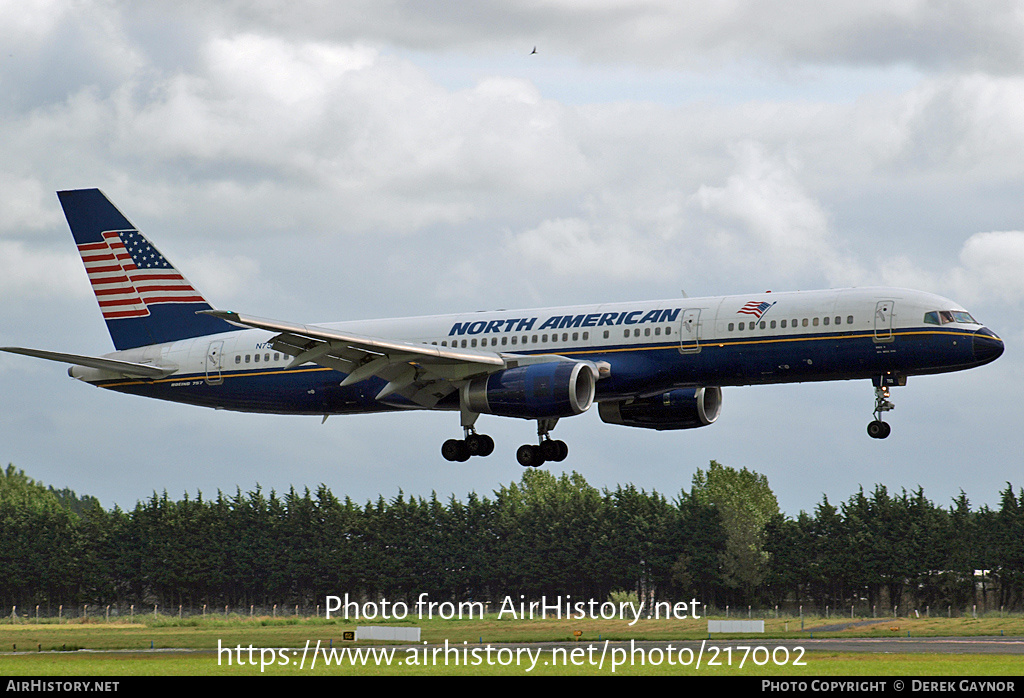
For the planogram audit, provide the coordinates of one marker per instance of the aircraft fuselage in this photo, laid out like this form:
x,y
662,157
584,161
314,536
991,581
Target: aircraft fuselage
x,y
649,348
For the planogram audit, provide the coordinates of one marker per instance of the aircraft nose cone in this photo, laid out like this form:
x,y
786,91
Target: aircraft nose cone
x,y
987,346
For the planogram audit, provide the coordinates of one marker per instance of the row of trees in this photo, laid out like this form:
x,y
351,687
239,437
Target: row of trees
x,y
889,549
723,542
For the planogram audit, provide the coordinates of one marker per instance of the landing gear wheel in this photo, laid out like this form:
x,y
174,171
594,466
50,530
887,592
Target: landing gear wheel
x,y
554,450
530,456
455,450
547,448
480,444
878,429
462,449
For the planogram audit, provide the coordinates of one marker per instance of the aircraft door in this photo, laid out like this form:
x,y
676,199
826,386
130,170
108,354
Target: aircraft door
x,y
689,331
213,362
884,315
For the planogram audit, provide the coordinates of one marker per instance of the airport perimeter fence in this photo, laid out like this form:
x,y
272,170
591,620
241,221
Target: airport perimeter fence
x,y
95,613
861,612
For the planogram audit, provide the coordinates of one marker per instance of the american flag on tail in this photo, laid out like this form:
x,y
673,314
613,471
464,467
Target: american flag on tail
x,y
127,274
755,308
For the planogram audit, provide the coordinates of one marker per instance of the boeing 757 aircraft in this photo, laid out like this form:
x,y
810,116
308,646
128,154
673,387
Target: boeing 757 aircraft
x,y
652,364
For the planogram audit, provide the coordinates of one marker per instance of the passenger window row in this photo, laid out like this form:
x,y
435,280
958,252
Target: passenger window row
x,y
255,358
647,332
505,341
514,340
517,340
794,323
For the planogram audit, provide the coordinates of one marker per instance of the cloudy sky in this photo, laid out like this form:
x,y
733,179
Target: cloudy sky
x,y
336,161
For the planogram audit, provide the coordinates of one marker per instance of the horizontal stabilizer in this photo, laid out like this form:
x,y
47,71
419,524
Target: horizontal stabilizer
x,y
124,367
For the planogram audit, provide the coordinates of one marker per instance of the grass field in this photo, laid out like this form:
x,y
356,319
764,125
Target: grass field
x,y
818,664
50,648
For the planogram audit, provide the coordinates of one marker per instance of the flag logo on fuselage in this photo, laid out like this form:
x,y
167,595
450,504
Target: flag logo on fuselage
x,y
755,308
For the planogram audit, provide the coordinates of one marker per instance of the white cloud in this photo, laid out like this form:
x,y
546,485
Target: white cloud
x,y
992,267
962,124
275,71
221,278
989,271
574,249
763,218
373,134
507,90
25,205
25,23
666,33
902,272
264,133
26,271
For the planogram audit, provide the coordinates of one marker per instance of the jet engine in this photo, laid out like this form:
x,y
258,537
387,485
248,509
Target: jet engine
x,y
685,408
535,391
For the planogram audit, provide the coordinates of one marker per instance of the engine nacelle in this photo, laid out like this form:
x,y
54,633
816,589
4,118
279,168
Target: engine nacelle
x,y
535,391
685,408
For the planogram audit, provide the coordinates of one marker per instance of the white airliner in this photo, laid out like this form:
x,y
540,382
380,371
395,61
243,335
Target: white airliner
x,y
653,364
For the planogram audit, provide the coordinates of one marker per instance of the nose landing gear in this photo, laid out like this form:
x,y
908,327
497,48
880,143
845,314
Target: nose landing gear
x,y
878,429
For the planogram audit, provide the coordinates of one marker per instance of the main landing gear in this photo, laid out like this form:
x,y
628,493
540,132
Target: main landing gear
x,y
528,455
548,449
473,445
878,429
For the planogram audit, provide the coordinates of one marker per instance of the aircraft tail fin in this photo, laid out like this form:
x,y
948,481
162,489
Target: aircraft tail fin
x,y
143,298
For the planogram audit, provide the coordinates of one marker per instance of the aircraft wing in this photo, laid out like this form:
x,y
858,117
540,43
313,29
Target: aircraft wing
x,y
126,368
423,373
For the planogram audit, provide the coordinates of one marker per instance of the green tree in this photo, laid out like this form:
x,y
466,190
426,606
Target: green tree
x,y
546,529
39,545
746,504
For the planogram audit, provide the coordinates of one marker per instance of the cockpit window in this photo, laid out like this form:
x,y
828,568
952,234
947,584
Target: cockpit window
x,y
941,317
